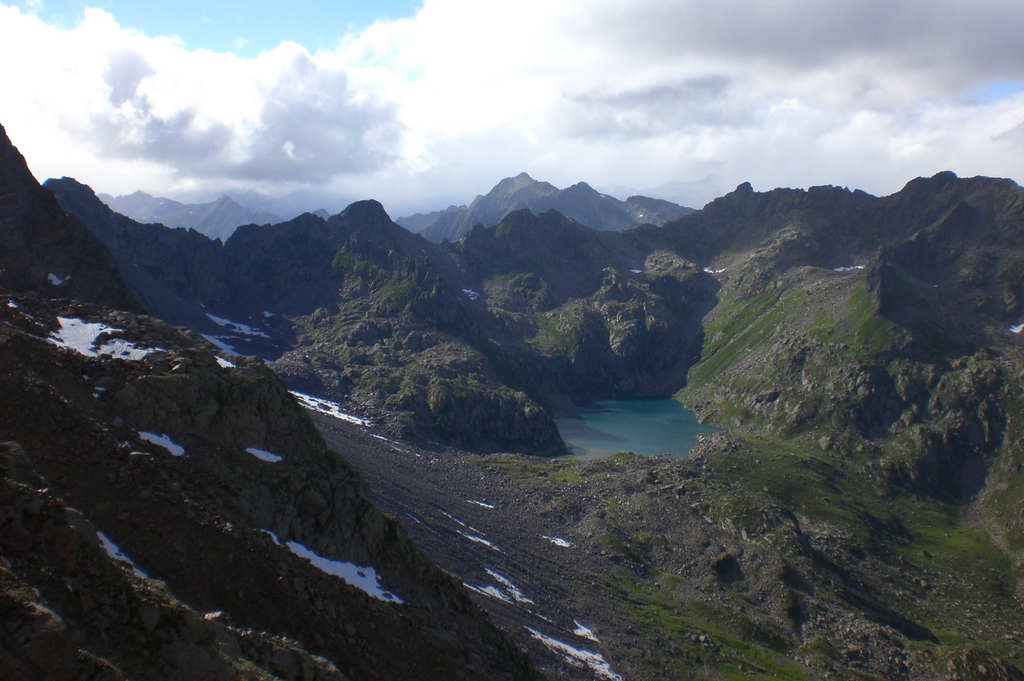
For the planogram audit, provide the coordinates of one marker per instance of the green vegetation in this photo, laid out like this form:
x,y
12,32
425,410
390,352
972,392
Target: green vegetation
x,y
702,641
533,471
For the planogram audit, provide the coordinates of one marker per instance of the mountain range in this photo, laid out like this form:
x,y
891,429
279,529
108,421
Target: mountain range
x,y
580,202
217,219
857,515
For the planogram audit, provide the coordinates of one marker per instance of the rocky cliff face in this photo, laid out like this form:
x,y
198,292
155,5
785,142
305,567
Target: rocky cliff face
x,y
862,322
581,314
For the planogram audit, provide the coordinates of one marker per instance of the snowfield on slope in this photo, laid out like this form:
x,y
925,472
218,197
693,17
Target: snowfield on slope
x,y
363,578
81,336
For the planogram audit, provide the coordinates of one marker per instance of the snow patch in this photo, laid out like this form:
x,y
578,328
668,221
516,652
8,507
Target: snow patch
x,y
480,503
118,555
558,541
470,293
80,336
449,515
363,578
711,271
478,540
1017,329
11,303
489,590
268,315
394,446
511,588
237,327
56,280
329,408
848,269
122,349
226,364
584,632
163,441
637,271
578,657
224,347
264,455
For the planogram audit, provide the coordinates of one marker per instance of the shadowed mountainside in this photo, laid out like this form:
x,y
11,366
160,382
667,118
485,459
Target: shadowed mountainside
x,y
42,249
213,480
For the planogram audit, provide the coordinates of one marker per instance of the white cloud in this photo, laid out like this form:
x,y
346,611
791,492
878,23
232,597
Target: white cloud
x,y
426,110
135,109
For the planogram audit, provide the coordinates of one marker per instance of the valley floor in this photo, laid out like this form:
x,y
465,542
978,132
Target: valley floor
x,y
479,525
654,568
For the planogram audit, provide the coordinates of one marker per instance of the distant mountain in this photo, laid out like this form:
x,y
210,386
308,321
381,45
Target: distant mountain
x,y
45,250
418,222
580,202
694,193
217,220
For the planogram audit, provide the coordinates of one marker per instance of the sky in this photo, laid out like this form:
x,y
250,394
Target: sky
x,y
421,104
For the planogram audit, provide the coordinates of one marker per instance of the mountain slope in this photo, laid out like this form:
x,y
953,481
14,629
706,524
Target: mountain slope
x,y
417,222
581,314
213,479
44,250
579,202
217,219
357,304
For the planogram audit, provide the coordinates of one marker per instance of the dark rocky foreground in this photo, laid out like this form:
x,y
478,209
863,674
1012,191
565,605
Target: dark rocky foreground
x,y
223,598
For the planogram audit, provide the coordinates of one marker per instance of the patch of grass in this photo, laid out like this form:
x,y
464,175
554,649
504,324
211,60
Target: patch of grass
x,y
734,645
535,472
874,333
742,325
558,330
931,562
402,292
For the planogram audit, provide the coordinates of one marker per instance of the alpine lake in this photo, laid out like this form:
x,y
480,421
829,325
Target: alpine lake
x,y
648,427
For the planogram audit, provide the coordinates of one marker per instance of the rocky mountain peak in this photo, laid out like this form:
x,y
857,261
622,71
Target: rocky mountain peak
x,y
43,249
366,212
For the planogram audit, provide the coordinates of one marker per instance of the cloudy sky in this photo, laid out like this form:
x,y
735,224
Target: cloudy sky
x,y
422,104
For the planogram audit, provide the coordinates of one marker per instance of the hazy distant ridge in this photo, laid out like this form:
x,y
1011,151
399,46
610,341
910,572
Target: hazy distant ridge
x,y
581,202
217,219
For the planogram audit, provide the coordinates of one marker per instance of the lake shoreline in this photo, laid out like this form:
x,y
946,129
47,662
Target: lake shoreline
x,y
596,430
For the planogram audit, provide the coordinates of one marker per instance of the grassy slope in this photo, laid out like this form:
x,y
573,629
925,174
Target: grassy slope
x,y
938,564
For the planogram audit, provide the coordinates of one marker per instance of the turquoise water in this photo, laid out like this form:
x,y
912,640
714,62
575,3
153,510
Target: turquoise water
x,y
648,427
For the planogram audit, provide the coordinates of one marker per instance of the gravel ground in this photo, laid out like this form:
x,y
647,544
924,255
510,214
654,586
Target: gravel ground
x,y
483,527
